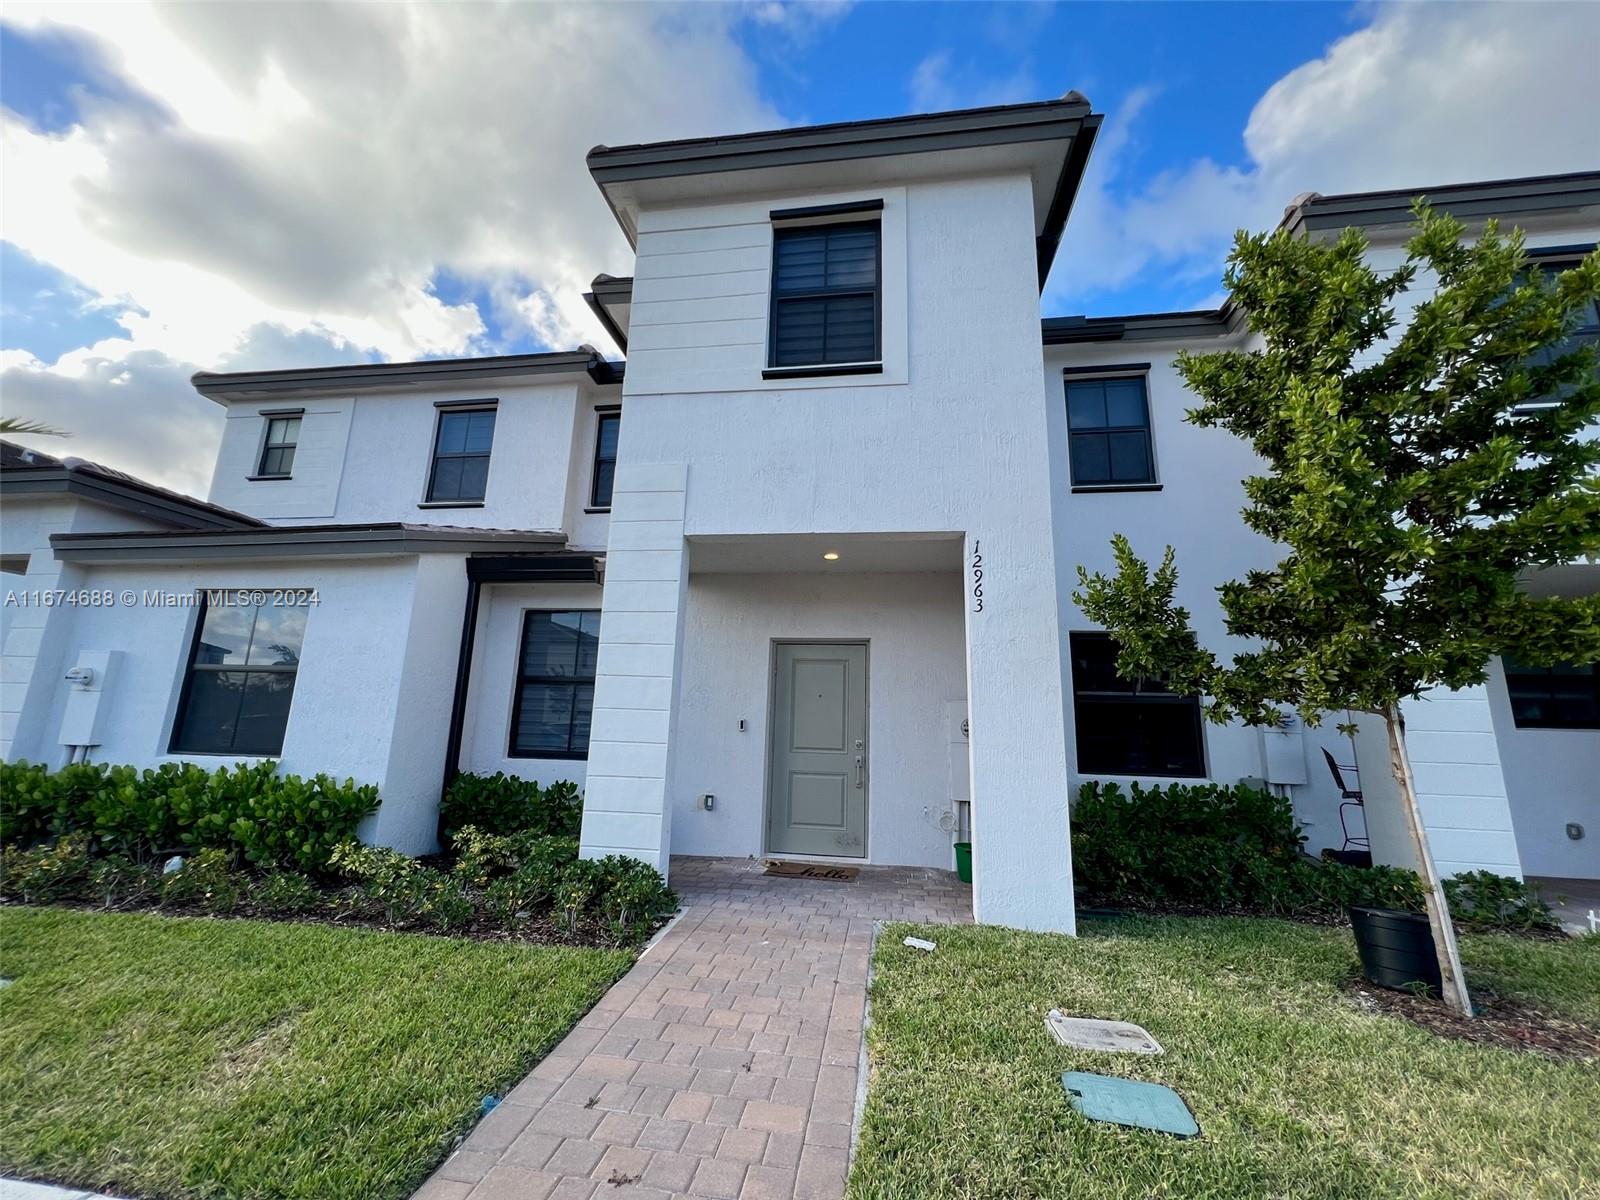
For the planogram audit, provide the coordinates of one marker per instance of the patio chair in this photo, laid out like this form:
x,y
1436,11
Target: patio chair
x,y
1349,798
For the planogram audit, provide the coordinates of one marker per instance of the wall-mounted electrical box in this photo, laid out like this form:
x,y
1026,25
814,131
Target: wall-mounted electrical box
x,y
1283,751
87,684
706,802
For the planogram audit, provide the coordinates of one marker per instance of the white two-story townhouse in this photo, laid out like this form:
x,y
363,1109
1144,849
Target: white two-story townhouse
x,y
796,581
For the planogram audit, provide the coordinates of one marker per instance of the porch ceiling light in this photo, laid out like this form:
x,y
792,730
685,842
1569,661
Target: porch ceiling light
x,y
831,556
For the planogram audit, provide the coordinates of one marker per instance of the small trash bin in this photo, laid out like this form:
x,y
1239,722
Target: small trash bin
x,y
964,861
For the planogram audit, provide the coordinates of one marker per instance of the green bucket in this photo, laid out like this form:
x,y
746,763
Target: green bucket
x,y
964,861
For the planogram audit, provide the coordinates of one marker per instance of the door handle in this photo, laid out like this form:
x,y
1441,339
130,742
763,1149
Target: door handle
x,y
861,771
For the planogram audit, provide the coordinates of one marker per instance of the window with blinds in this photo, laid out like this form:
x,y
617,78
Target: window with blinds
x,y
826,281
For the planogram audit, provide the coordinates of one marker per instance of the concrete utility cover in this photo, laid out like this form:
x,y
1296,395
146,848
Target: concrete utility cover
x,y
1083,1033
1129,1102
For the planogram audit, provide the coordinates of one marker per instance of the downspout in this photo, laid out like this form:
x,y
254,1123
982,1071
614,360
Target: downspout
x,y
458,702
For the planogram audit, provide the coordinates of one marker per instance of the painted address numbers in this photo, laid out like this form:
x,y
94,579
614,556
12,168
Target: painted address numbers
x,y
977,576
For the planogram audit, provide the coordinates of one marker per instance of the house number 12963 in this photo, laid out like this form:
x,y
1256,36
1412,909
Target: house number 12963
x,y
977,576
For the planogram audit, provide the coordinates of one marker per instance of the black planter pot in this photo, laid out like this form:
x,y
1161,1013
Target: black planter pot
x,y
1396,948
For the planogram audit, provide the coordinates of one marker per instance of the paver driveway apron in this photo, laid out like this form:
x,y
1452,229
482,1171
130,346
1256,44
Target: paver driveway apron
x,y
724,1064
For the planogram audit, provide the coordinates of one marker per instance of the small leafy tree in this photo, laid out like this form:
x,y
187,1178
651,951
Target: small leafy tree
x,y
1412,478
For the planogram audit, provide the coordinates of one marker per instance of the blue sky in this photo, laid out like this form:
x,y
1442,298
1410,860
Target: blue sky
x,y
864,64
252,185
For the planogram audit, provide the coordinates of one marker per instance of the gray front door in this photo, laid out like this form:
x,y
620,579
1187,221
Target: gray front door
x,y
817,789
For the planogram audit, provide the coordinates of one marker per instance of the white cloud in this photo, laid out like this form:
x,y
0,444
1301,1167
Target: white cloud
x,y
314,169
940,82
1425,95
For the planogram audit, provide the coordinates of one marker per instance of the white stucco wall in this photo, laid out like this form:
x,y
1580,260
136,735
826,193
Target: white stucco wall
x,y
956,440
29,631
1196,511
487,733
372,694
1552,777
1455,766
367,457
916,663
311,493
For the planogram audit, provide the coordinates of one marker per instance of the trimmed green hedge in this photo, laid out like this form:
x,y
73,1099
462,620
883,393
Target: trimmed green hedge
x,y
502,805
1238,848
248,810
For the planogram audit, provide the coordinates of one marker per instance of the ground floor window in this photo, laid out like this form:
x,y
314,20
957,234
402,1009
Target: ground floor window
x,y
1130,728
555,685
240,676
1560,697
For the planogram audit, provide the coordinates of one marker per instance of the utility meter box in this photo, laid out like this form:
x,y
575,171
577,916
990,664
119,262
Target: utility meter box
x,y
1283,751
88,684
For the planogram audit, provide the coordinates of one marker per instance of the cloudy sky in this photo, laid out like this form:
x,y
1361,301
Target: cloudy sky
x,y
234,186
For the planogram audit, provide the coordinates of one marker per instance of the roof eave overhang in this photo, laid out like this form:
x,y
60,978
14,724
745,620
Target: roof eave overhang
x,y
300,542
114,493
597,305
1142,327
1510,199
1069,119
257,385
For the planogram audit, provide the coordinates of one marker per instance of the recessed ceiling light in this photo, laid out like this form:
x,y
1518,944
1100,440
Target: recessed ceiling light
x,y
832,556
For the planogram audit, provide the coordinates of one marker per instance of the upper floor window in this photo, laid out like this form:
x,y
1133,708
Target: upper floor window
x,y
605,459
277,447
1562,697
1586,333
1108,426
460,473
826,286
240,676
555,685
1141,727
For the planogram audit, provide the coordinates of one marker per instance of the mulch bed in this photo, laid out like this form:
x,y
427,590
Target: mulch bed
x,y
1500,1022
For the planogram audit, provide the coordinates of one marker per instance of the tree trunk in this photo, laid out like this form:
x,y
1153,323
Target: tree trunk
x,y
1444,932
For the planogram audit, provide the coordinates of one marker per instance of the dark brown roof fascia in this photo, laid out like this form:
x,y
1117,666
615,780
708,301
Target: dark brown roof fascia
x,y
302,541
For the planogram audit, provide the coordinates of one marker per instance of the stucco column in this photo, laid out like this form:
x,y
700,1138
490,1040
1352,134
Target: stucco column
x,y
626,807
1021,844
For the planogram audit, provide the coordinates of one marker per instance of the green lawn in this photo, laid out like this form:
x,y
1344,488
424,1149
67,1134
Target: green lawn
x,y
184,1057
1298,1092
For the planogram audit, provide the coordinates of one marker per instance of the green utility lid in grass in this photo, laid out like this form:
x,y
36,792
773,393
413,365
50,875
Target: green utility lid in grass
x,y
1129,1102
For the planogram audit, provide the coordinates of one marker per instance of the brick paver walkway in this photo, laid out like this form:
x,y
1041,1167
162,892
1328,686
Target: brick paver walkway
x,y
723,1065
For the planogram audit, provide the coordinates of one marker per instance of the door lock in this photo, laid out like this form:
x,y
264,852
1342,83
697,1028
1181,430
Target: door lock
x,y
861,771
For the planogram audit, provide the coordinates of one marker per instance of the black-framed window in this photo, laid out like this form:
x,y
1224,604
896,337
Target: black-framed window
x,y
605,459
1561,697
240,677
826,290
555,685
1130,728
277,448
1108,427
1586,333
460,471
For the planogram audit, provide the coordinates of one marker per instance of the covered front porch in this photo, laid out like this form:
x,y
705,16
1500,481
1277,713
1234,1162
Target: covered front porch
x,y
821,708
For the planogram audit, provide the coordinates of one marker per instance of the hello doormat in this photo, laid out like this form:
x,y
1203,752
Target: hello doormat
x,y
800,870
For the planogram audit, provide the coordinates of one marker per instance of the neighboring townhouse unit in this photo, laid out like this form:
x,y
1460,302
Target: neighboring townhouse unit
x,y
797,581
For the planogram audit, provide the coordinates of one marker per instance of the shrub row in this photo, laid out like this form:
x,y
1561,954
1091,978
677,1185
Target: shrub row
x,y
1216,846
502,804
506,882
249,810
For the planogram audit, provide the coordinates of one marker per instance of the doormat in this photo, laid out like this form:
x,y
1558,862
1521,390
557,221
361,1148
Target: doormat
x,y
802,870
